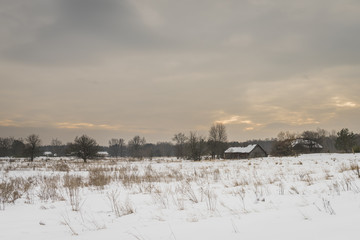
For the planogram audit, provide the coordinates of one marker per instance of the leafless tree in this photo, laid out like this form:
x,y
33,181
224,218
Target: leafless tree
x,y
33,143
217,139
282,145
5,146
85,147
135,146
196,146
116,147
180,140
56,145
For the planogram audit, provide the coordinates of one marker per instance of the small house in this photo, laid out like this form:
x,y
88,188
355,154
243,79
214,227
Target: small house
x,y
251,151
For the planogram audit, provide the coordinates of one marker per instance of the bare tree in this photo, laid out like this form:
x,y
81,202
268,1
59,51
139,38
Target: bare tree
x,y
180,140
85,147
56,146
18,148
217,140
282,145
116,147
33,142
5,146
135,146
196,146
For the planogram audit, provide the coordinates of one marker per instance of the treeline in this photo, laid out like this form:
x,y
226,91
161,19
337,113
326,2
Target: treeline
x,y
11,147
192,146
319,141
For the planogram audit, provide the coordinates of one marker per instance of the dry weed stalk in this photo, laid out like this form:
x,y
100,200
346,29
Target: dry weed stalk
x,y
49,189
119,208
72,186
210,199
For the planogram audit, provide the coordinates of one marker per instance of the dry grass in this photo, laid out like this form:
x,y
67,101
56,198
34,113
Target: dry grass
x,y
61,167
240,187
49,189
98,177
72,185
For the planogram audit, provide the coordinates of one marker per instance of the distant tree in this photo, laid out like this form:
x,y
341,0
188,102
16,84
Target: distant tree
x,y
217,140
33,143
18,148
196,145
283,136
312,138
180,143
5,146
116,147
148,150
282,145
56,146
135,146
85,147
345,140
164,149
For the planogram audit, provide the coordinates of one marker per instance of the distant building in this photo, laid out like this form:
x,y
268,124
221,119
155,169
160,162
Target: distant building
x,y
251,151
48,154
305,146
102,154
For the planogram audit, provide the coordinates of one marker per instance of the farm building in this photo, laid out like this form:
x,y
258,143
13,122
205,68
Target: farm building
x,y
102,154
48,154
306,146
251,151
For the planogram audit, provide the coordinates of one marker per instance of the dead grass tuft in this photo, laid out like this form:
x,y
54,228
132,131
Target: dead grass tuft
x,y
98,177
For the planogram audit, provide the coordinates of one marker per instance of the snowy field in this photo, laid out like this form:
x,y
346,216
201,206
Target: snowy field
x,y
313,196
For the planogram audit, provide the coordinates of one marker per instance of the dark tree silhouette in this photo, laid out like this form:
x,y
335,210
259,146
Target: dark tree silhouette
x,y
217,140
180,140
135,146
33,142
85,147
345,140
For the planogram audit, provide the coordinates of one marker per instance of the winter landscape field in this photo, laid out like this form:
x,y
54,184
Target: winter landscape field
x,y
314,196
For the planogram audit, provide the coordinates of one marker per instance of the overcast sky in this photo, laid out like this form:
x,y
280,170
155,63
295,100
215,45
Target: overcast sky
x,y
120,68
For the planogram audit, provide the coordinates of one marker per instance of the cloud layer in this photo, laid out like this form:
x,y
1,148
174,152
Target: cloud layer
x,y
121,67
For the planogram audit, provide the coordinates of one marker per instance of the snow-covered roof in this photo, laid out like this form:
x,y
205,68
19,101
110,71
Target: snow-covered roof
x,y
247,149
305,143
102,153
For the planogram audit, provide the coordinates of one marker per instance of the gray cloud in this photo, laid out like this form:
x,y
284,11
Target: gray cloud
x,y
179,65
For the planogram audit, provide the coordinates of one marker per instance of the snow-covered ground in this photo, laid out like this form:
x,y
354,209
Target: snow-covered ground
x,y
313,196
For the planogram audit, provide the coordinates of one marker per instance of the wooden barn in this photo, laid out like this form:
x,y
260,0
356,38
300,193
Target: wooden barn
x,y
251,151
306,146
